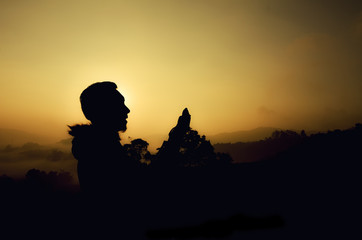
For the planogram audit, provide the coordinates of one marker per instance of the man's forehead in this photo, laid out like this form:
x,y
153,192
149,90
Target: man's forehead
x,y
120,96
117,97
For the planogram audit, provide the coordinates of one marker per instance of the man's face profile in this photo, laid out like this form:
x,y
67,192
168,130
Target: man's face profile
x,y
116,112
104,106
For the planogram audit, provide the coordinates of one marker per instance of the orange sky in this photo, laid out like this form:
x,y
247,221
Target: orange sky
x,y
235,64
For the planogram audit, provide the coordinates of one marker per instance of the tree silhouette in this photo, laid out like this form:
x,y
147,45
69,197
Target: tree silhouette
x,y
138,151
43,181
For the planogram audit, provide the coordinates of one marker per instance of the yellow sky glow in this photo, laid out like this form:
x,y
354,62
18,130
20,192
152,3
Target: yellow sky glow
x,y
235,64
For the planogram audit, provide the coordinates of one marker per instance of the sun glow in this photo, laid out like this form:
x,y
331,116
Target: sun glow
x,y
235,65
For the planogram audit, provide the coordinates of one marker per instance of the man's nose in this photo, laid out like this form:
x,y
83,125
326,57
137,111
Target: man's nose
x,y
127,109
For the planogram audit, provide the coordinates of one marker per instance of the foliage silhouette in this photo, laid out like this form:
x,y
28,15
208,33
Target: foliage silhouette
x,y
48,181
138,152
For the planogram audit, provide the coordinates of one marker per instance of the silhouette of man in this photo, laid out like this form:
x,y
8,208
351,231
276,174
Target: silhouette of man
x,y
103,165
111,181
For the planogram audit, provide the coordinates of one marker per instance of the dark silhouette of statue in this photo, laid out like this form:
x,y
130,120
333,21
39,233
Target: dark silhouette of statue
x,y
171,148
186,148
103,165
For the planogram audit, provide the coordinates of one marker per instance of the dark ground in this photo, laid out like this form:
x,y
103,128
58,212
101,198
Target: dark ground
x,y
311,190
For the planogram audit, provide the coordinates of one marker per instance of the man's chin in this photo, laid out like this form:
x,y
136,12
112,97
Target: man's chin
x,y
122,128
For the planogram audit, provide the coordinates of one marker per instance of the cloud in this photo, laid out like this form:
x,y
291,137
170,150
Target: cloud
x,y
316,71
265,112
267,116
312,47
58,155
34,154
15,161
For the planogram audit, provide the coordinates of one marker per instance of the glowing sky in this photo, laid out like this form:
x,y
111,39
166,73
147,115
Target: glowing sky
x,y
235,64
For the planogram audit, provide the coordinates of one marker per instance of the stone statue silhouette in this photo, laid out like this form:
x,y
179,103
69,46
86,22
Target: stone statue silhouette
x,y
170,148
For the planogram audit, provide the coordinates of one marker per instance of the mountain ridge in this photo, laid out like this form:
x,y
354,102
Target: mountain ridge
x,y
255,134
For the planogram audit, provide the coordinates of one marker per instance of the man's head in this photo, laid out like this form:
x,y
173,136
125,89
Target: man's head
x,y
104,106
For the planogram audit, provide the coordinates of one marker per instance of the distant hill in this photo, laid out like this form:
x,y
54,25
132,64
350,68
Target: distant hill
x,y
18,137
242,136
278,141
253,151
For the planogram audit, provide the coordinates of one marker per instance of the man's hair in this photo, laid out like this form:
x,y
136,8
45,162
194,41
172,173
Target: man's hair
x,y
94,98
